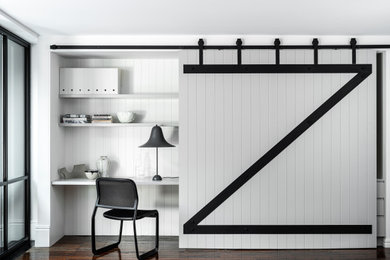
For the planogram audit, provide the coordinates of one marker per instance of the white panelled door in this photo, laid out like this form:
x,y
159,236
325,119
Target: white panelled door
x,y
326,177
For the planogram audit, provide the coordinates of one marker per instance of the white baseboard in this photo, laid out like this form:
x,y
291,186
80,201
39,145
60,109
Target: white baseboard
x,y
42,236
33,226
386,242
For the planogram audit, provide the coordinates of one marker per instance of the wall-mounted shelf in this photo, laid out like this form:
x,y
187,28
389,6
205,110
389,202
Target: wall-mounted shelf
x,y
137,180
146,124
123,96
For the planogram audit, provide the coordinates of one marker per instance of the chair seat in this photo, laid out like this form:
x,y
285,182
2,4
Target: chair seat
x,y
125,214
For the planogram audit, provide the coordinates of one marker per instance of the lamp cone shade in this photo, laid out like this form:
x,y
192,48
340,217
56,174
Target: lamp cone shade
x,y
157,139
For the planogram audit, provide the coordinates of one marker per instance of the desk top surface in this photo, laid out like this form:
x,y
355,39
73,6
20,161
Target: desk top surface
x,y
137,180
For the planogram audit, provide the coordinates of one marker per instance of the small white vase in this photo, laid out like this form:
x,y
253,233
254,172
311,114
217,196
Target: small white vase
x,y
103,164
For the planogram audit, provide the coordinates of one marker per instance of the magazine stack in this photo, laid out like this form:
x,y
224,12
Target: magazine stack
x,y
102,118
76,119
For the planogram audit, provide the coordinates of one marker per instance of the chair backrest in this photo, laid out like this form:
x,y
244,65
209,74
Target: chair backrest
x,y
116,193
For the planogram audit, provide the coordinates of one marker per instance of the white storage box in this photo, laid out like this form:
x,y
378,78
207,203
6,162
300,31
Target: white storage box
x,y
89,81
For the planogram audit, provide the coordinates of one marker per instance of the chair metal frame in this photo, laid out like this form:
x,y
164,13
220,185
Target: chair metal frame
x,y
99,251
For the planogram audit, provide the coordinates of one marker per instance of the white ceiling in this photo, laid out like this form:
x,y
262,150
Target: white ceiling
x,y
276,17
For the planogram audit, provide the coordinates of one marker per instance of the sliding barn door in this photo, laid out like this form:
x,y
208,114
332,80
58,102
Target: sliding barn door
x,y
326,177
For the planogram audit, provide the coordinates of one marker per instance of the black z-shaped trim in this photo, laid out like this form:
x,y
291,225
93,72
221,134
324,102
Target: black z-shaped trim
x,y
192,225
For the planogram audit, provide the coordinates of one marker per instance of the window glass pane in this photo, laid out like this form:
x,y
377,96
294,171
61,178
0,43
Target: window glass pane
x,y
15,212
15,111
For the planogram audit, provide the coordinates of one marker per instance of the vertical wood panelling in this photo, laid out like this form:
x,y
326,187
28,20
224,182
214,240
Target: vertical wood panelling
x,y
227,122
327,176
253,57
264,120
299,159
209,155
317,162
221,144
345,166
183,149
120,144
290,164
192,184
79,202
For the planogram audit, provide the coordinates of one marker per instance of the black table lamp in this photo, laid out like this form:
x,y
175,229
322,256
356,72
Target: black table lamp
x,y
156,140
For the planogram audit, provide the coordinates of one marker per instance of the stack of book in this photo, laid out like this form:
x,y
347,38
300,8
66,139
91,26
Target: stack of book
x,y
76,119
102,118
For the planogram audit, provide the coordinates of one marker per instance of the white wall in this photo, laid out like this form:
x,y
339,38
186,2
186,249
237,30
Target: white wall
x,y
40,143
327,176
57,140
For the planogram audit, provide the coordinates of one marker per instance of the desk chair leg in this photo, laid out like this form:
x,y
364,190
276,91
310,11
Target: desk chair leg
x,y
157,230
93,238
152,252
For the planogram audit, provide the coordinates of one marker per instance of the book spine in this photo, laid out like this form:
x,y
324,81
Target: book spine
x,y
75,116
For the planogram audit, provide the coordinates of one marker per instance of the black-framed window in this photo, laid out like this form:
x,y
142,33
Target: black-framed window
x,y
15,143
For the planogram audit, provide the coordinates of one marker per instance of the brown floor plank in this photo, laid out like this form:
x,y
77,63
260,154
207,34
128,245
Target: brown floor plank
x,y
79,248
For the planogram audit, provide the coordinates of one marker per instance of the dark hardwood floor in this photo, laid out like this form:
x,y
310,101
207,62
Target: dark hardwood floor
x,y
79,247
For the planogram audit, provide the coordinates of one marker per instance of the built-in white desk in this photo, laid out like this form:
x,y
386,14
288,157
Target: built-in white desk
x,y
76,199
138,181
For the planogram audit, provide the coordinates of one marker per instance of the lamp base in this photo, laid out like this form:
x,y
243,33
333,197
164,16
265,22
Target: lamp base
x,y
157,178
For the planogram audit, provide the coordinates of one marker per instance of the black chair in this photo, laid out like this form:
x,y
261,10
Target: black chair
x,y
121,197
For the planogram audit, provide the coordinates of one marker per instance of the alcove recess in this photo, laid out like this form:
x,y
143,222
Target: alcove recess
x,y
148,86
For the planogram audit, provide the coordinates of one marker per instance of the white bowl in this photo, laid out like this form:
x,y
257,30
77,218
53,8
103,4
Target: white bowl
x,y
92,175
125,117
